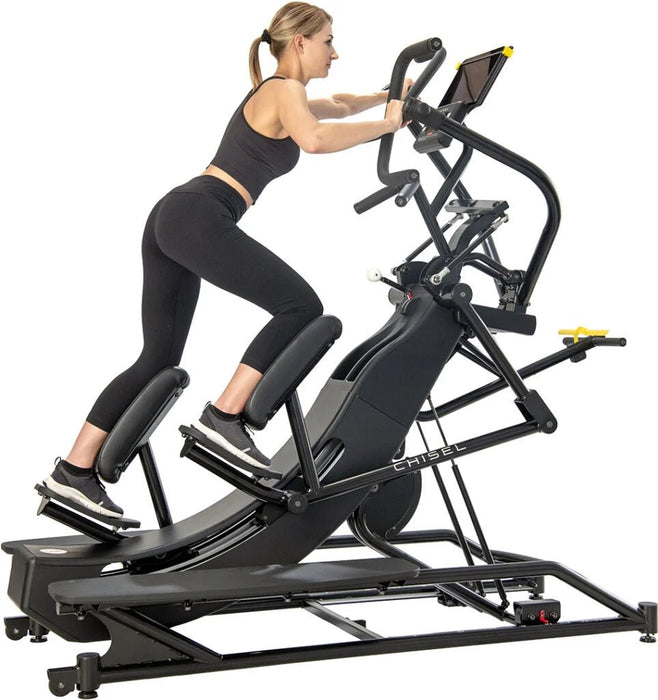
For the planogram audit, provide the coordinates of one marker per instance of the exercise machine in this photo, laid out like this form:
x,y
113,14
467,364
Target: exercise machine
x,y
346,461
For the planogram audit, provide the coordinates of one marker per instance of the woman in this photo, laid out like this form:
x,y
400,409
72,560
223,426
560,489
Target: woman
x,y
192,234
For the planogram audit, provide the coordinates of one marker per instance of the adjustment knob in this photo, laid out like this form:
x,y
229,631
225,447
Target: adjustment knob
x,y
374,274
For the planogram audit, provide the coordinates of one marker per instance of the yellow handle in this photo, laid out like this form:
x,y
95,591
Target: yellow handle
x,y
581,330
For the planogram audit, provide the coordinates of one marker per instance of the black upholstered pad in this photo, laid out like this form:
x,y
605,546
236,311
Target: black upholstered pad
x,y
133,430
507,321
231,583
290,368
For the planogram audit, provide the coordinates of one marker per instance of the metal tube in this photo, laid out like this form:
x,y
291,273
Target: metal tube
x,y
430,221
528,371
442,640
162,513
535,175
302,443
482,333
418,462
451,180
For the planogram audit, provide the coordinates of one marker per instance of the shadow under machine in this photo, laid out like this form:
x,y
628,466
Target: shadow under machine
x,y
345,461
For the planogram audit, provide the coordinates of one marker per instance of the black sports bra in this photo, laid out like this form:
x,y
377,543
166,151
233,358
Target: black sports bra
x,y
253,159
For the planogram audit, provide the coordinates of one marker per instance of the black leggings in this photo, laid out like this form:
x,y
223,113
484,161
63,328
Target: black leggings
x,y
192,234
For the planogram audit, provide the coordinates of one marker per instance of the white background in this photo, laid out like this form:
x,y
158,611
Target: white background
x,y
108,106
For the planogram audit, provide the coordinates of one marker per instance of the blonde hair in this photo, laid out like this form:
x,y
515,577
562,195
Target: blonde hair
x,y
292,19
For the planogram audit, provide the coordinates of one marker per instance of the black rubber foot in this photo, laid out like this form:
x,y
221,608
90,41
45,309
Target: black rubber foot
x,y
38,639
648,639
88,694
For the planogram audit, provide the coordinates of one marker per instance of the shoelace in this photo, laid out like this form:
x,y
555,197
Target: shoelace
x,y
248,432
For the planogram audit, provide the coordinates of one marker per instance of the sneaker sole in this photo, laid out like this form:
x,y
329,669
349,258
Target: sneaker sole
x,y
222,442
74,495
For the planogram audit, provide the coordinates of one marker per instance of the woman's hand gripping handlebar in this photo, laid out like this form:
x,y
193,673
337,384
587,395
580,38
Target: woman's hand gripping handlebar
x,y
405,182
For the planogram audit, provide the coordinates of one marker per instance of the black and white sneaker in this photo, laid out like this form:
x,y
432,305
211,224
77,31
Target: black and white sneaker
x,y
231,434
86,490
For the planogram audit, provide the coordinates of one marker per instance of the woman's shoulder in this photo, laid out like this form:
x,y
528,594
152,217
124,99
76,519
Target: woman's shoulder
x,y
288,87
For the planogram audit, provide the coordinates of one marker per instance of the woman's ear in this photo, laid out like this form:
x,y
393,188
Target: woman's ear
x,y
298,42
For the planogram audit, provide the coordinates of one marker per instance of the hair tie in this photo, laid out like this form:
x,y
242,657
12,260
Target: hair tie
x,y
266,37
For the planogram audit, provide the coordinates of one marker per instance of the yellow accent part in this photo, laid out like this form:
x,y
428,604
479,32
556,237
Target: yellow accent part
x,y
508,51
581,330
458,66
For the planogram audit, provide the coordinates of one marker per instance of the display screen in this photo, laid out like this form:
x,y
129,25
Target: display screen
x,y
474,78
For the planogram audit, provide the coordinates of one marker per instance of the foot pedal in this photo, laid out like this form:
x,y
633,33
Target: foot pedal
x,y
116,523
537,612
477,206
190,433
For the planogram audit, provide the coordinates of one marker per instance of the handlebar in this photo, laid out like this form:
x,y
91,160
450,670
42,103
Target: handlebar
x,y
405,182
421,52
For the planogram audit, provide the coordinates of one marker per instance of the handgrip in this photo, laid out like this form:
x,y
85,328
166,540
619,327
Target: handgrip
x,y
427,74
374,199
421,52
432,46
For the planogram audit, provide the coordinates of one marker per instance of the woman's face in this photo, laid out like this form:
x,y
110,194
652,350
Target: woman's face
x,y
319,52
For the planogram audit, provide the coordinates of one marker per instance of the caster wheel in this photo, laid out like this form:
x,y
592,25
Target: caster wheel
x,y
14,633
17,627
59,688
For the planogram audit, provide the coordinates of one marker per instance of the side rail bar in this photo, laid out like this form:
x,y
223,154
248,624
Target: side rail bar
x,y
574,352
423,113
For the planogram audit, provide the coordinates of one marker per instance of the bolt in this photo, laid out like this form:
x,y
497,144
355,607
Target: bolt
x,y
549,424
60,685
462,294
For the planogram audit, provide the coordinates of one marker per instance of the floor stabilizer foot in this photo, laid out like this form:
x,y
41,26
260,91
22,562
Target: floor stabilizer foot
x,y
648,609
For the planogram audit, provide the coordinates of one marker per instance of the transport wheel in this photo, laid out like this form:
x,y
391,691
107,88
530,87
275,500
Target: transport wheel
x,y
58,688
387,510
14,633
16,628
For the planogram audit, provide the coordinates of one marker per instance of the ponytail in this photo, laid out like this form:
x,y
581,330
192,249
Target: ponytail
x,y
254,63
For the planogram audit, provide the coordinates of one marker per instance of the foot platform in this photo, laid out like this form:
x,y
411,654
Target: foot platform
x,y
233,583
48,495
192,436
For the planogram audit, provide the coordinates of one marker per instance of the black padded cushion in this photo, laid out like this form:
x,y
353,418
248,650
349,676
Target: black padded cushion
x,y
133,430
506,321
289,369
231,583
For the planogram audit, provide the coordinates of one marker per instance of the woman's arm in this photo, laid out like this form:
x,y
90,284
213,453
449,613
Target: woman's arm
x,y
315,137
345,105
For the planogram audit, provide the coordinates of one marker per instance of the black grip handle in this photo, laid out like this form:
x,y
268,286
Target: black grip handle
x,y
420,52
616,342
428,73
431,48
374,199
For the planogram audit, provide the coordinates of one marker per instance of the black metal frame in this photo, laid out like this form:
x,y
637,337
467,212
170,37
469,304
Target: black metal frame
x,y
142,648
